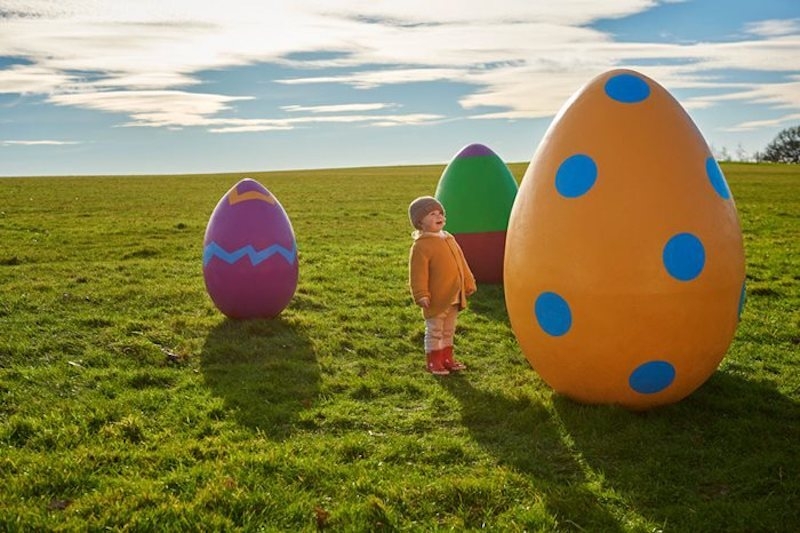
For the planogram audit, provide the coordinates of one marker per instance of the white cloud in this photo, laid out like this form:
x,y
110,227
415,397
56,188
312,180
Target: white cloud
x,y
253,125
341,108
370,79
771,123
411,12
176,109
32,79
773,28
776,95
152,108
514,58
42,142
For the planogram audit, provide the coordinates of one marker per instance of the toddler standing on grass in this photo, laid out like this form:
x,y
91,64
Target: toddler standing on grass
x,y
440,281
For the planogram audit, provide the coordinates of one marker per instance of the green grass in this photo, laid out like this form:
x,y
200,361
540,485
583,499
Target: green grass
x,y
128,402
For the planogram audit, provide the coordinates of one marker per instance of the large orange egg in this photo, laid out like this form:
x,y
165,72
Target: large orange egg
x,y
624,265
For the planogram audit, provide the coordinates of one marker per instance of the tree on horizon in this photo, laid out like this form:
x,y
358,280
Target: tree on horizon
x,y
785,148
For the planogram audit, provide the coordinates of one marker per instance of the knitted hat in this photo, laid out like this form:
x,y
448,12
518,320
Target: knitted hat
x,y
420,207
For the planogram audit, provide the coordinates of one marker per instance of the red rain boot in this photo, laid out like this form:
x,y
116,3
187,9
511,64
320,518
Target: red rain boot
x,y
435,366
449,363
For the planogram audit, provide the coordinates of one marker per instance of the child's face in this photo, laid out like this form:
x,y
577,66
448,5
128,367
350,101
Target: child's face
x,y
433,221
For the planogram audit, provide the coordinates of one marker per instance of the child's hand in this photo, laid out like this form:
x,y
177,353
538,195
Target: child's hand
x,y
424,302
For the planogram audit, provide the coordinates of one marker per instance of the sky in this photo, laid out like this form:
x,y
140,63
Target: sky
x,y
92,87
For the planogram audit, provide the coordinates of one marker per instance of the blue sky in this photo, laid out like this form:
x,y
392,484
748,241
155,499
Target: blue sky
x,y
183,86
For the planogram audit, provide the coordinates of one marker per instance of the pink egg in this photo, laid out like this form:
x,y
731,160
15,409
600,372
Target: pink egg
x,y
250,253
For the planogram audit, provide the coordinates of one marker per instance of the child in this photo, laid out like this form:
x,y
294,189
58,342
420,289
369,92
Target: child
x,y
440,281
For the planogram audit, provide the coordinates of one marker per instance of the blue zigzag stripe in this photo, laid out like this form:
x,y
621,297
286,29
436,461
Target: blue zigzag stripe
x,y
212,249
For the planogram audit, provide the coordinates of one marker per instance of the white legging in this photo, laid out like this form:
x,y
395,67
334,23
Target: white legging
x,y
439,330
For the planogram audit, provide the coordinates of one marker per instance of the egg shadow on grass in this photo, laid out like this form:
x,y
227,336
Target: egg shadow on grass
x,y
522,435
696,464
264,370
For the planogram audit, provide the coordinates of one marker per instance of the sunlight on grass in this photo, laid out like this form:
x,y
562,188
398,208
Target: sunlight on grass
x,y
127,401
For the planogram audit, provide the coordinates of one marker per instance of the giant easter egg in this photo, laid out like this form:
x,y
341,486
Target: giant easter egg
x,y
249,253
477,191
624,264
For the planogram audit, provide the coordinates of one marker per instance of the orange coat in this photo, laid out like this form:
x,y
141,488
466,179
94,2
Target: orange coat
x,y
437,270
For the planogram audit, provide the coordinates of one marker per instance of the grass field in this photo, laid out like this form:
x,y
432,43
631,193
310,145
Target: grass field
x,y
128,402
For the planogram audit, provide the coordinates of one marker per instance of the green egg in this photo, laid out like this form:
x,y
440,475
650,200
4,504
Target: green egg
x,y
477,191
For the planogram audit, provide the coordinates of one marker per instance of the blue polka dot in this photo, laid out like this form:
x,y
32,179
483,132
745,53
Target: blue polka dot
x,y
652,377
742,298
576,175
627,88
553,314
716,178
684,257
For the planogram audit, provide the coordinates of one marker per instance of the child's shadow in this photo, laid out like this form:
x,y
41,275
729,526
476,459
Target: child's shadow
x,y
489,302
264,370
522,435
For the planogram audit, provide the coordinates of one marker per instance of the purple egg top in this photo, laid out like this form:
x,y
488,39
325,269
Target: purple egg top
x,y
474,150
249,215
